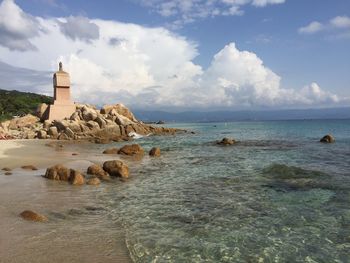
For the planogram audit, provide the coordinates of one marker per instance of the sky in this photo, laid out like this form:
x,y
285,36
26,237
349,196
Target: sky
x,y
181,55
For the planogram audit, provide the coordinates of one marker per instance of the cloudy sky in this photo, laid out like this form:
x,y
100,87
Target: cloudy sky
x,y
177,54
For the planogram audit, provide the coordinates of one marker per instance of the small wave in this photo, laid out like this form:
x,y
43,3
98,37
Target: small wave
x,y
138,136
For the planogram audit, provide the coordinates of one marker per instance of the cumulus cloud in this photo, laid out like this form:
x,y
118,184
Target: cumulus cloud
x,y
80,28
337,27
153,68
189,11
17,27
311,28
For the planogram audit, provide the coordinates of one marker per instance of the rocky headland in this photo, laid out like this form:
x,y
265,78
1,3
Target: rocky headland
x,y
110,123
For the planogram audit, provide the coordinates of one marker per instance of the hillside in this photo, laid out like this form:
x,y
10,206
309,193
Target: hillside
x,y
16,103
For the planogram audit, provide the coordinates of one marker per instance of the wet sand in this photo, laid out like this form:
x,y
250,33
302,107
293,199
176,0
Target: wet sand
x,y
79,229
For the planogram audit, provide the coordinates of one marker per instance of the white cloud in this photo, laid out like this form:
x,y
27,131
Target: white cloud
x,y
338,27
311,28
263,3
191,10
16,27
153,68
341,22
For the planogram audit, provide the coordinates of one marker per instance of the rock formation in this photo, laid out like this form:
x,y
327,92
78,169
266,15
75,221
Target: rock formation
x,y
112,122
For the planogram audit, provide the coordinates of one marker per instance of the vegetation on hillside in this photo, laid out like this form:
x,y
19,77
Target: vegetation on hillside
x,y
16,103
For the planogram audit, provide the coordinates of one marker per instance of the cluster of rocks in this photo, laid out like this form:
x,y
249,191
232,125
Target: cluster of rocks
x,y
111,122
94,174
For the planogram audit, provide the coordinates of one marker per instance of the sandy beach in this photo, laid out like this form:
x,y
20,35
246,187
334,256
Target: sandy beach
x,y
79,228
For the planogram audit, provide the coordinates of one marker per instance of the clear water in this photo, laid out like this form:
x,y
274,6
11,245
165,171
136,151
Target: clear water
x,y
277,196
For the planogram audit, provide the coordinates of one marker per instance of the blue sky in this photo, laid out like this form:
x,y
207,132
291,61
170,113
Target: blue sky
x,y
237,53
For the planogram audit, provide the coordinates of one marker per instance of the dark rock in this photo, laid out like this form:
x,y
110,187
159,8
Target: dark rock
x,y
116,168
154,152
33,216
328,139
226,141
8,173
6,169
133,149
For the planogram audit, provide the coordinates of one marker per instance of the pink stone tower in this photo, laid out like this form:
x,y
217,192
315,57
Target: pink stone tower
x,y
62,106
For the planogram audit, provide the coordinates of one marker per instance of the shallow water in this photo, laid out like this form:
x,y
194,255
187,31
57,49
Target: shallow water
x,y
276,196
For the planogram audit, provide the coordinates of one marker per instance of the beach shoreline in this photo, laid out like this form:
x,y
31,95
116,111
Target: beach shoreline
x,y
77,231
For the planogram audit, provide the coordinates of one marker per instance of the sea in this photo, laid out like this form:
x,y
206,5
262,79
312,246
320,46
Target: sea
x,y
277,195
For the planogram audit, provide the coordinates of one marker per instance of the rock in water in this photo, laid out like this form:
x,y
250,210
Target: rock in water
x,y
33,216
98,172
226,141
58,173
133,149
76,177
116,168
93,181
111,151
328,139
29,167
154,152
6,169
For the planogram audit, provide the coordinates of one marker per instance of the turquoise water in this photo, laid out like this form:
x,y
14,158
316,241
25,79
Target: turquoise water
x,y
277,196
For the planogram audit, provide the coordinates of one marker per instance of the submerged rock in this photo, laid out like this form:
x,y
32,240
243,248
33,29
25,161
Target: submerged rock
x,y
133,149
33,216
154,152
327,139
226,141
93,181
116,168
111,151
8,173
29,167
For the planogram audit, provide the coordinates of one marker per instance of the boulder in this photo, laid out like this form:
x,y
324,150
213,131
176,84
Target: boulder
x,y
58,173
29,167
327,139
42,111
8,173
42,134
76,177
53,132
93,181
154,152
101,122
26,121
226,141
6,169
89,114
118,109
133,149
33,216
111,151
74,126
98,172
69,133
93,126
116,168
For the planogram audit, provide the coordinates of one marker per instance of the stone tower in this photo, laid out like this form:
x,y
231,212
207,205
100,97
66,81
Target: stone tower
x,y
62,106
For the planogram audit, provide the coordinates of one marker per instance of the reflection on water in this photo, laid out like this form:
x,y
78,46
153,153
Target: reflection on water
x,y
276,196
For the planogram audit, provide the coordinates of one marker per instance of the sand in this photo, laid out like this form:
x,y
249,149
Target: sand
x,y
79,236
